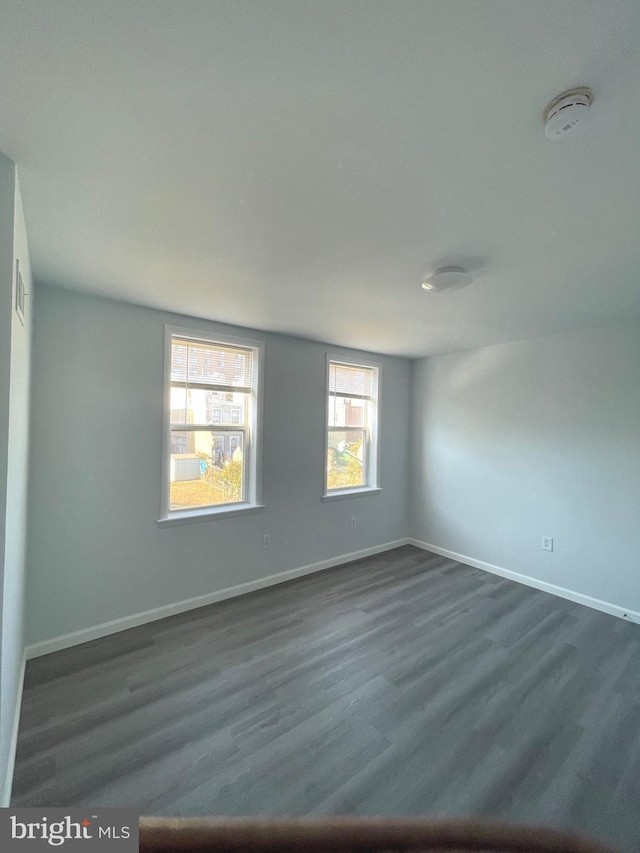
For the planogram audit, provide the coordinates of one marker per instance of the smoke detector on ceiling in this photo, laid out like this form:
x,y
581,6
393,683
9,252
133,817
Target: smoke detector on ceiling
x,y
566,112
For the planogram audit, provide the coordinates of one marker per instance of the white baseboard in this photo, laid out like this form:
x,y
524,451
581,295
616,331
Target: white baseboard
x,y
571,595
8,779
94,633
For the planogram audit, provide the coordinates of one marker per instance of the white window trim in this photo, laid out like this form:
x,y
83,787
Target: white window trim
x,y
373,459
254,461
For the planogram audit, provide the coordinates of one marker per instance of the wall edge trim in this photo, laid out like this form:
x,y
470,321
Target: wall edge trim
x,y
13,744
104,629
560,591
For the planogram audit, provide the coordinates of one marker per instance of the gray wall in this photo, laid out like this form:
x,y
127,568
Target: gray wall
x,y
14,438
95,551
510,443
535,438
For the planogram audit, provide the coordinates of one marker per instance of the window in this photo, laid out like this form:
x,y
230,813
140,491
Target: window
x,y
212,451
352,427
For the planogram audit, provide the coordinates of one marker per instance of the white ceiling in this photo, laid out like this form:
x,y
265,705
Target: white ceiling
x,y
298,165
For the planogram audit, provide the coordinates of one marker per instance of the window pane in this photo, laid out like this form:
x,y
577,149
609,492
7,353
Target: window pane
x,y
344,411
178,406
197,406
207,468
346,458
198,361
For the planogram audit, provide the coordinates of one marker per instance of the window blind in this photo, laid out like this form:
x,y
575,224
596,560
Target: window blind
x,y
199,363
350,381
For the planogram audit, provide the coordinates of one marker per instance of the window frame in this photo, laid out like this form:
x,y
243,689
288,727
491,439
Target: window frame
x,y
253,432
372,451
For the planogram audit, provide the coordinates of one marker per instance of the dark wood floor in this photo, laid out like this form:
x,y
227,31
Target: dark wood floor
x,y
400,684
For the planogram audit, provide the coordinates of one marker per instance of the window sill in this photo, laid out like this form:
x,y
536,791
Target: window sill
x,y
343,494
208,514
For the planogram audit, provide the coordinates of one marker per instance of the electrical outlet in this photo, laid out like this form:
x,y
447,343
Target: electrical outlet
x,y
266,541
547,543
352,523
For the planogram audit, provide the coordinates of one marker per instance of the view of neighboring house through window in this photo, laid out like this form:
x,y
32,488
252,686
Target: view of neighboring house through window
x,y
212,423
352,426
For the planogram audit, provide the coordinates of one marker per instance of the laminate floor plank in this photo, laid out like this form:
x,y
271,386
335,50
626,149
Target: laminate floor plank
x,y
400,684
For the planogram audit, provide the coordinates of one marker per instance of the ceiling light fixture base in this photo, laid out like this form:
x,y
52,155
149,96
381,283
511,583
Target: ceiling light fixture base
x,y
447,278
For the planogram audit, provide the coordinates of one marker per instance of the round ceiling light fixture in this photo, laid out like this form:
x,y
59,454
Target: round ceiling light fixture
x,y
566,112
447,278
